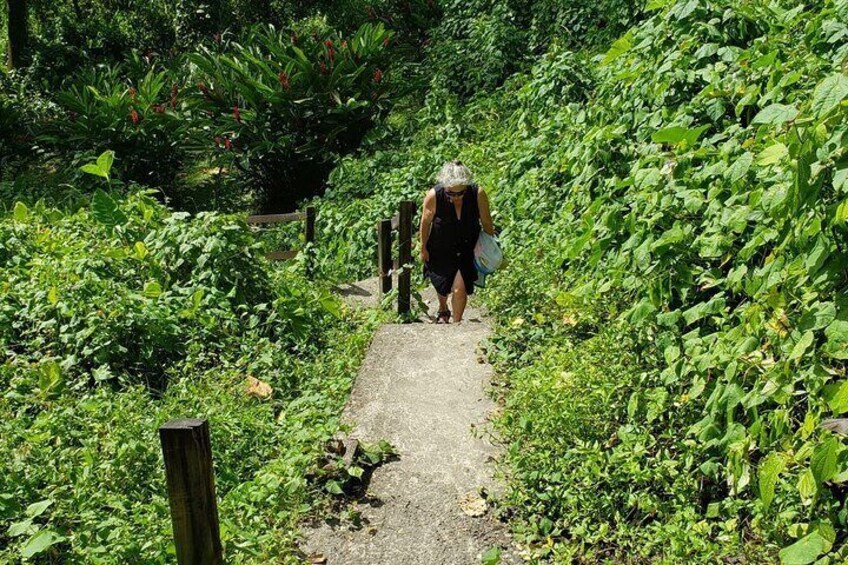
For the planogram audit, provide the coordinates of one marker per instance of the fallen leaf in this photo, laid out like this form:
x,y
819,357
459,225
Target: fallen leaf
x,y
317,559
473,505
258,388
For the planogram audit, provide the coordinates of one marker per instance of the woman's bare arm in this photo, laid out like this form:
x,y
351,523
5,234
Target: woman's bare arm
x,y
427,214
485,213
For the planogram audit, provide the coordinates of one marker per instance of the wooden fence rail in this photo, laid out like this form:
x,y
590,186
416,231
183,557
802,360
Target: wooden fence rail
x,y
309,230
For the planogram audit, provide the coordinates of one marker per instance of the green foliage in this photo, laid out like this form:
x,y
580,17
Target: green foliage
x,y
282,104
118,317
676,222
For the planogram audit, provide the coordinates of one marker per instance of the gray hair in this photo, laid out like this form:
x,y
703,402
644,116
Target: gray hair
x,y
454,173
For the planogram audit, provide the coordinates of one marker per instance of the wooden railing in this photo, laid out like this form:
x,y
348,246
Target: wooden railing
x,y
309,229
403,223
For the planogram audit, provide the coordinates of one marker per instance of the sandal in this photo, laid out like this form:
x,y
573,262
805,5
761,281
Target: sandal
x,y
443,317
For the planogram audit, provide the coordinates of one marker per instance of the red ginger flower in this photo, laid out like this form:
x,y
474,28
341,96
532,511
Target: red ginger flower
x,y
323,67
134,117
329,44
133,93
227,143
284,80
237,113
174,92
159,108
378,75
332,55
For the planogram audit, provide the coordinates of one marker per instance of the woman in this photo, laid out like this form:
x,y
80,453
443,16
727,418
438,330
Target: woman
x,y
450,224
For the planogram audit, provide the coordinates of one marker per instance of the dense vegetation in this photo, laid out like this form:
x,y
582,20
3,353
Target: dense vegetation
x,y
669,181
673,322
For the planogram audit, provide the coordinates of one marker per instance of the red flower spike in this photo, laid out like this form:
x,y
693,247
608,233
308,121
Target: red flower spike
x,y
133,93
134,117
237,113
227,143
329,44
344,44
159,108
284,80
332,55
174,92
217,141
378,75
323,68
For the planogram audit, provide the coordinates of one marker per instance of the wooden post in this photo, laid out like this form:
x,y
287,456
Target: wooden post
x,y
309,232
384,255
310,224
191,491
407,209
18,37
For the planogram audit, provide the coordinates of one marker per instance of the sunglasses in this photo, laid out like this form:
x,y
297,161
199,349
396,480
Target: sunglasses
x,y
455,194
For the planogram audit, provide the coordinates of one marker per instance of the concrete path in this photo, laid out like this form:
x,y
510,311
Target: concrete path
x,y
422,388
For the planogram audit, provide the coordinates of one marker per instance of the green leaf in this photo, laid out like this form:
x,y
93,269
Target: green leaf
x,y
836,395
38,508
20,528
805,550
739,168
802,345
769,471
104,162
618,48
492,556
829,93
39,542
837,340
106,210
807,487
152,289
775,114
20,212
93,169
677,134
773,154
823,462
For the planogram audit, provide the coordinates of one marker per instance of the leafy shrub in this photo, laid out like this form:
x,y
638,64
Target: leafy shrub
x,y
120,316
284,105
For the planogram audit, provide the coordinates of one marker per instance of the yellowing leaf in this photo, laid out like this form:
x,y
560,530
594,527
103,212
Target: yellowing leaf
x,y
773,154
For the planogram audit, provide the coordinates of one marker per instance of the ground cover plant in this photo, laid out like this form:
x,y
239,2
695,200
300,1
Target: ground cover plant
x,y
122,315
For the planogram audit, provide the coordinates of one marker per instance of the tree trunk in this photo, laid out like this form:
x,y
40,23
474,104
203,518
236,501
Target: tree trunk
x,y
18,33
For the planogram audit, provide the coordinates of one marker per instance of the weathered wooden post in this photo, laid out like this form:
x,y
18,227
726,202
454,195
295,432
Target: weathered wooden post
x,y
407,209
384,256
191,491
309,232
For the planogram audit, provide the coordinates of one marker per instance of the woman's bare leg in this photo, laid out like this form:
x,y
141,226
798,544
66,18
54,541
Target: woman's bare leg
x,y
443,302
459,298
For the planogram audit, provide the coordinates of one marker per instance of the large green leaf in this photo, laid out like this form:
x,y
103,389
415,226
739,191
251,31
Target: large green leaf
x,y
39,542
106,210
770,468
805,550
775,114
829,93
823,462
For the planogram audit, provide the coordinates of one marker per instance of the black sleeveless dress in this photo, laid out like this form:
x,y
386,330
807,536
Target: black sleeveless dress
x,y
451,242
